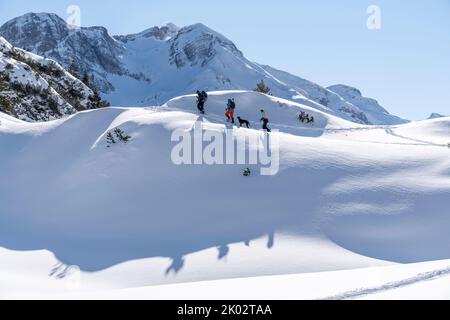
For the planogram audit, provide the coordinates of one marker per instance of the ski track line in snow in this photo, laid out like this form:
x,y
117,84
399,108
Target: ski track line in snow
x,y
362,292
392,133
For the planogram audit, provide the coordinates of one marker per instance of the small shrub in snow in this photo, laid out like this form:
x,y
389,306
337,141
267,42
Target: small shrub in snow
x,y
6,105
9,66
110,139
262,87
306,118
121,136
118,135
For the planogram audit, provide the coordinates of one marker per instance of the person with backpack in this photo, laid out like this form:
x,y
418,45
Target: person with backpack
x,y
265,121
201,100
231,107
205,95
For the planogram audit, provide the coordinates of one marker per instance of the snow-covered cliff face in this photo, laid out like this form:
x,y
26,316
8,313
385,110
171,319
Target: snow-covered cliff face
x,y
199,45
151,67
375,113
33,88
161,33
92,49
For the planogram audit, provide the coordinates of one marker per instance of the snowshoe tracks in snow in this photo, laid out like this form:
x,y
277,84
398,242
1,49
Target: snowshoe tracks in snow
x,y
362,292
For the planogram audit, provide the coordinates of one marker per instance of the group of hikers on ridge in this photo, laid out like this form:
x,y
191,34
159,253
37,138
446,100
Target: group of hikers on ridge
x,y
202,97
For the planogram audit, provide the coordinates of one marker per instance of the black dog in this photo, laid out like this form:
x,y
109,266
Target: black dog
x,y
243,122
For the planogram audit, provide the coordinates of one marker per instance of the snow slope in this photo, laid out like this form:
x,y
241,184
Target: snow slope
x,y
347,197
153,66
376,114
429,280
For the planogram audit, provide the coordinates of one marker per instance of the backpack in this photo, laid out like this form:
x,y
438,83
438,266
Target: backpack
x,y
205,95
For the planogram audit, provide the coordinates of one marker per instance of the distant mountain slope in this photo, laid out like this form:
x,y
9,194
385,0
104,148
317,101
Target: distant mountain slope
x,y
436,116
50,36
153,66
33,88
370,107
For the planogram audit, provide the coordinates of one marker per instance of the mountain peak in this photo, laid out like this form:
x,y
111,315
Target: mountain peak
x,y
436,116
197,45
172,26
35,30
200,28
39,17
163,33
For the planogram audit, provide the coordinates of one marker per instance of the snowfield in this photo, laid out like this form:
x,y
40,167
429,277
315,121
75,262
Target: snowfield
x,y
354,212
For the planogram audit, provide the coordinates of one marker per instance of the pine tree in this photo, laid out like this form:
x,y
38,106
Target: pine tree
x,y
53,105
93,86
86,79
110,139
95,99
3,84
262,87
73,70
9,67
6,105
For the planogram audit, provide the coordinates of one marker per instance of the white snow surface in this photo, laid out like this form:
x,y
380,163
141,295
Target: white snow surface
x,y
355,212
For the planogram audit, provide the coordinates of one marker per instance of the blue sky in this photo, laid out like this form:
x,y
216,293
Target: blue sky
x,y
405,65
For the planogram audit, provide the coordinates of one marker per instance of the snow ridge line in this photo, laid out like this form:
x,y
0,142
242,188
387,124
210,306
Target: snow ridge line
x,y
361,292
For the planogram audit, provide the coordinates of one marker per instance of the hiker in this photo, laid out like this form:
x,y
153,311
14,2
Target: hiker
x,y
205,95
201,99
231,106
311,120
265,121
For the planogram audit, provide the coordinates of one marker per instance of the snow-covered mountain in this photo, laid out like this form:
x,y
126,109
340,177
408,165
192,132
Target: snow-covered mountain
x,y
347,196
153,66
436,116
33,88
375,113
92,49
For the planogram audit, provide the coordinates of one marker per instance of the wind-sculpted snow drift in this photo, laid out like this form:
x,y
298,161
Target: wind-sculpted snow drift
x,y
346,196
